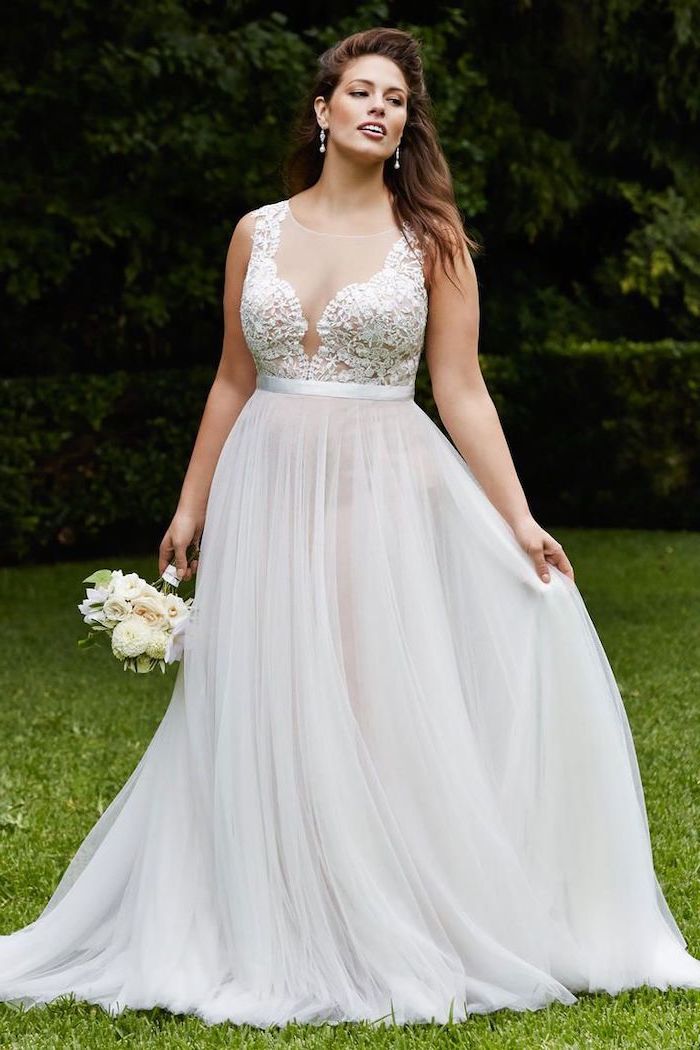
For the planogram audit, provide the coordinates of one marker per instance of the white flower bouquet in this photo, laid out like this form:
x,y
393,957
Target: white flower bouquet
x,y
146,621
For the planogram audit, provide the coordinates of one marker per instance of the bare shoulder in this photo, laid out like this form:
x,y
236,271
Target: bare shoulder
x,y
242,235
246,224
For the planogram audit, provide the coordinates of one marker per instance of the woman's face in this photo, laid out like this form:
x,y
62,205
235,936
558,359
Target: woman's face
x,y
371,90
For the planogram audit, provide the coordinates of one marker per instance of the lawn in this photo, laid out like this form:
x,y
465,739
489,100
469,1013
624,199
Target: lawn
x,y
73,725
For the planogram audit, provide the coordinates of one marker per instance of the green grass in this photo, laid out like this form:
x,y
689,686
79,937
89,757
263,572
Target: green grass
x,y
73,726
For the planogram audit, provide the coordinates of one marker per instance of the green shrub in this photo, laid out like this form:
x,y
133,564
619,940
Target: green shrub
x,y
606,434
602,434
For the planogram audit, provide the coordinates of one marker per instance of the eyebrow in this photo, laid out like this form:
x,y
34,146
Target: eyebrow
x,y
363,80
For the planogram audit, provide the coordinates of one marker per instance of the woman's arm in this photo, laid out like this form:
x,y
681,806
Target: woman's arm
x,y
468,412
233,384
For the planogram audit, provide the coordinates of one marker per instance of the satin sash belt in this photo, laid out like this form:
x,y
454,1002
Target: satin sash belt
x,y
335,388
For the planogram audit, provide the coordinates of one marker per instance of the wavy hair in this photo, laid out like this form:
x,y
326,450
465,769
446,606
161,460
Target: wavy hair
x,y
421,190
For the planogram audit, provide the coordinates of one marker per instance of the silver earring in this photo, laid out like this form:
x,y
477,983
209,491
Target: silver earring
x,y
396,162
322,148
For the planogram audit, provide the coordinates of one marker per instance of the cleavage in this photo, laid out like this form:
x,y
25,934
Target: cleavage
x,y
319,268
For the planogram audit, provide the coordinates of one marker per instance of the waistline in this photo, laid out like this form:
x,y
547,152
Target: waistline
x,y
335,388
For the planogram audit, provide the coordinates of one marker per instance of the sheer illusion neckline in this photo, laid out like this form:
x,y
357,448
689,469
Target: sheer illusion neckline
x,y
352,236
341,295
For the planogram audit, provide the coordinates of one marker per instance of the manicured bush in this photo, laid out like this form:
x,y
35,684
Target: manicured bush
x,y
602,434
606,434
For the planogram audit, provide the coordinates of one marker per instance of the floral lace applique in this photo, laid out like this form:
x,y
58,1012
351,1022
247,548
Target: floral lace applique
x,y
369,332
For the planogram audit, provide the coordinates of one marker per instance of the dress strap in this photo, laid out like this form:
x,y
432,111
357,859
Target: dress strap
x,y
266,231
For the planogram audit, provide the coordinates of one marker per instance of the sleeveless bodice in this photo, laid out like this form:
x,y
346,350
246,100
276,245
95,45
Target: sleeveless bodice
x,y
334,307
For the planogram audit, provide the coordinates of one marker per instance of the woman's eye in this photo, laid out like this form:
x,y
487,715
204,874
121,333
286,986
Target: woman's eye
x,y
360,92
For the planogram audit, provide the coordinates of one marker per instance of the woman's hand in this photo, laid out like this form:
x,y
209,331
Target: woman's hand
x,y
184,529
542,548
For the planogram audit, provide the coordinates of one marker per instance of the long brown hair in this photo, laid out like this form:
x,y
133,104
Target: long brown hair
x,y
421,189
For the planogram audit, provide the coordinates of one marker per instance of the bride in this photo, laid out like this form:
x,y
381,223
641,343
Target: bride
x,y
395,781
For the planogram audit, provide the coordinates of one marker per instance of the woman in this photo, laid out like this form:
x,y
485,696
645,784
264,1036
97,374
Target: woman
x,y
395,781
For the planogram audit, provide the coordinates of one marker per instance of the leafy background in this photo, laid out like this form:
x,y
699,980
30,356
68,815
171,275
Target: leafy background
x,y
136,134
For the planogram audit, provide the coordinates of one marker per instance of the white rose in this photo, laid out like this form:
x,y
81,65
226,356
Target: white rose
x,y
115,580
127,587
130,637
150,611
114,587
158,645
175,608
116,608
149,590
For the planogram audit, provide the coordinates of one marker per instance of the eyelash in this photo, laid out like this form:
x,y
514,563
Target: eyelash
x,y
361,92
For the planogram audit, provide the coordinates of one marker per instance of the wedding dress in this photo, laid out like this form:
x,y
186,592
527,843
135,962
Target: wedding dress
x,y
395,780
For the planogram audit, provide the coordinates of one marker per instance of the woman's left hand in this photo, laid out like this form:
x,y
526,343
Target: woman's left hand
x,y
542,548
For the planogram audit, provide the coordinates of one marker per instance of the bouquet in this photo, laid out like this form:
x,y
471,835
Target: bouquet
x,y
145,621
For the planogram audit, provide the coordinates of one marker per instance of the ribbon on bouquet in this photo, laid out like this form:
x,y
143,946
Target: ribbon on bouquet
x,y
170,575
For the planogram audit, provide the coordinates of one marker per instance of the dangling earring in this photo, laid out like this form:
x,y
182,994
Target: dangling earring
x,y
396,162
322,148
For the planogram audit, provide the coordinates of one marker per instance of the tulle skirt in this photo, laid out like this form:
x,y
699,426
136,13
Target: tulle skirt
x,y
395,781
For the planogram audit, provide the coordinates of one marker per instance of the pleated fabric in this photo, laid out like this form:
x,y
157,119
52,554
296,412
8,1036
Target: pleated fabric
x,y
395,781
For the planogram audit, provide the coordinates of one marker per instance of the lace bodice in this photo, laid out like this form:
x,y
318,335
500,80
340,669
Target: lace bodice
x,y
333,306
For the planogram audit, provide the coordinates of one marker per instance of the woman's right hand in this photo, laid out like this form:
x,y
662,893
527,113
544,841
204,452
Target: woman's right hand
x,y
183,530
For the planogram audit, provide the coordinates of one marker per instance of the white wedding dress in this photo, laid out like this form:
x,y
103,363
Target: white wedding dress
x,y
395,780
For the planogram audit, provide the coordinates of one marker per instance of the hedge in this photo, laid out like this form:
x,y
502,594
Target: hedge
x,y
602,434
